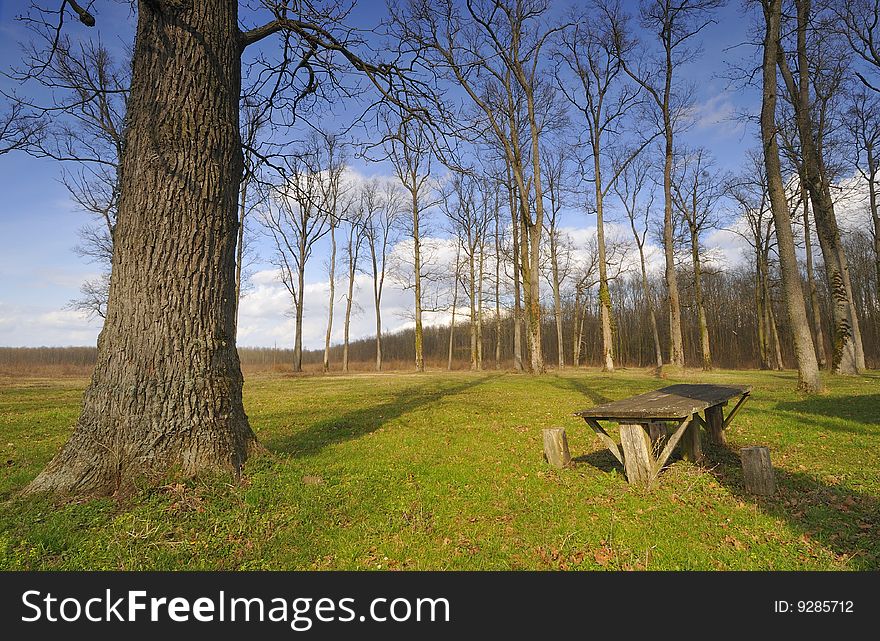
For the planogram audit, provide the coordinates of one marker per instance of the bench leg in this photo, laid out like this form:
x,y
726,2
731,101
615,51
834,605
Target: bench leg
x,y
691,446
715,421
658,434
637,459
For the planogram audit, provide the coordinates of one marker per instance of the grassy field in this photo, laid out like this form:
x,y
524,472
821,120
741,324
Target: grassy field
x,y
444,471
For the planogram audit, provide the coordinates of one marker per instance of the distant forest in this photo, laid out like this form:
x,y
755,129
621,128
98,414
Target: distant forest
x,y
731,305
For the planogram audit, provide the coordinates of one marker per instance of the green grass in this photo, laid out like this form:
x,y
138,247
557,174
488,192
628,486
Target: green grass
x,y
442,471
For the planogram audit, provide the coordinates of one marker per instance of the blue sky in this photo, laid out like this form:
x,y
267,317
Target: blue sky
x,y
40,273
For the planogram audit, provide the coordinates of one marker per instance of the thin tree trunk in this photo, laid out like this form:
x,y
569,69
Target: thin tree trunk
x,y
808,369
377,305
604,292
299,302
575,330
454,302
773,329
332,295
676,343
352,266
417,267
517,305
473,303
497,285
875,211
165,393
763,351
698,298
646,291
239,247
557,301
480,306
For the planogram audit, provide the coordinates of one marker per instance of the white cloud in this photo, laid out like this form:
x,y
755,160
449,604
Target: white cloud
x,y
22,326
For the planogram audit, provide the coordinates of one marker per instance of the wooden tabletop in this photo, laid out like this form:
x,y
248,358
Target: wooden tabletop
x,y
673,402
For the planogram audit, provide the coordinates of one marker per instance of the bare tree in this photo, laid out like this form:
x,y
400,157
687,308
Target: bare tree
x,y
465,206
629,189
676,24
382,206
810,99
354,224
749,190
296,221
334,200
863,126
166,391
456,277
808,368
409,151
78,119
16,128
505,41
588,52
697,187
858,21
253,123
556,173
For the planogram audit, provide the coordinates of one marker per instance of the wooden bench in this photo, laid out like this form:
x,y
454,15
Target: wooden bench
x,y
645,438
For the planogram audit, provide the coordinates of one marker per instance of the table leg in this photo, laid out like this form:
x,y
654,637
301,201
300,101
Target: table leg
x,y
637,458
715,422
692,447
657,432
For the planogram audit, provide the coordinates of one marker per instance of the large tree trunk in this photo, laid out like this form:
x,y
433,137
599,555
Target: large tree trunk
x,y
165,395
847,356
811,281
332,295
808,369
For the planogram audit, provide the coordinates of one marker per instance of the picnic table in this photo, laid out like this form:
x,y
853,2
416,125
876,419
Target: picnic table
x,y
653,423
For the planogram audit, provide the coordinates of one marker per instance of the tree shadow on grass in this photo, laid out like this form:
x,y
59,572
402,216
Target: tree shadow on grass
x,y
364,420
600,459
862,408
841,519
577,385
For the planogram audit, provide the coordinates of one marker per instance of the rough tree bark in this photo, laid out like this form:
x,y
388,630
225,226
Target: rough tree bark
x,y
808,368
846,356
165,394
